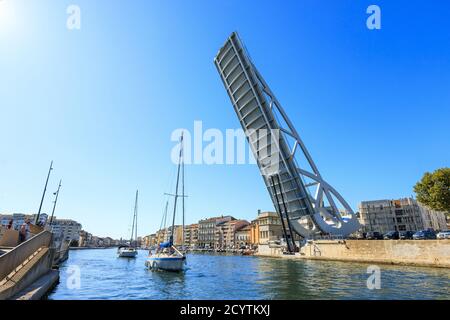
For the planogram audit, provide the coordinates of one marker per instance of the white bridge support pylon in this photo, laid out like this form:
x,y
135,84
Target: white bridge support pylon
x,y
312,205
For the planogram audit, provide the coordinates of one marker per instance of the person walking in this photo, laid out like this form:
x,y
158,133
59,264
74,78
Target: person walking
x,y
24,230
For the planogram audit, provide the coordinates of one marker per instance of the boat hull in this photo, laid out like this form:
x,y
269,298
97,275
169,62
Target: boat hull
x,y
166,263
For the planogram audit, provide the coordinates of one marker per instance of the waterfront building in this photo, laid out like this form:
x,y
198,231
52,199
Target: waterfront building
x,y
19,219
254,233
404,214
207,231
226,233
85,239
191,235
138,241
242,236
145,241
269,227
148,240
151,240
177,235
66,229
43,218
107,241
163,235
96,241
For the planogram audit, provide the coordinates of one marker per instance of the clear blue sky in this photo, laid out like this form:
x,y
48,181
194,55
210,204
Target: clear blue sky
x,y
373,107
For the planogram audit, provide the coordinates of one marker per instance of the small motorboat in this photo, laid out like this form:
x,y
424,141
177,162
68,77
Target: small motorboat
x,y
127,252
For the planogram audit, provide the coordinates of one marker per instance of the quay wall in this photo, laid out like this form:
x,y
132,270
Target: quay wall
x,y
430,253
88,248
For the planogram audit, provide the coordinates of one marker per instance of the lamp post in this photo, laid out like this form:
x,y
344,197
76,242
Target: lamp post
x,y
54,202
43,194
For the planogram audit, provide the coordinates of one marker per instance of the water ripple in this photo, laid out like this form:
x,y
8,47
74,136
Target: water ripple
x,y
222,277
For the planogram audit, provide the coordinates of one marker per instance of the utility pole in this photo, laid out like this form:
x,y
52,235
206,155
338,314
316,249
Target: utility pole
x,y
43,194
54,202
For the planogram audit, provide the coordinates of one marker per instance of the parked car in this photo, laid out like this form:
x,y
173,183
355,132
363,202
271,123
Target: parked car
x,y
424,235
374,235
357,236
360,235
405,235
391,235
443,235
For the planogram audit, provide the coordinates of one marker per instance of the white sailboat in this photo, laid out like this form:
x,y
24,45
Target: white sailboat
x,y
167,257
130,251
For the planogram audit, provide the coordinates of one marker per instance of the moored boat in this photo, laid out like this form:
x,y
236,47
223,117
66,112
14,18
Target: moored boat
x,y
130,251
127,252
167,257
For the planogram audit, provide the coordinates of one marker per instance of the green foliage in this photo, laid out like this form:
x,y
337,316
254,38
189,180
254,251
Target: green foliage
x,y
433,190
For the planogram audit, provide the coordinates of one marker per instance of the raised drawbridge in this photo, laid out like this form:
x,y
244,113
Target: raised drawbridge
x,y
307,203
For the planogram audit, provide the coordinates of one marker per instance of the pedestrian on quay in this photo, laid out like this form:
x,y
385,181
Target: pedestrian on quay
x,y
10,224
24,230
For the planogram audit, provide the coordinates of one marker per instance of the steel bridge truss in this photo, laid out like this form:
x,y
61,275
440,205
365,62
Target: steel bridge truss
x,y
312,204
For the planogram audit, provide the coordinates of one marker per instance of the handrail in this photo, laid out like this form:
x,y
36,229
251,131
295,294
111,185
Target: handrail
x,y
12,259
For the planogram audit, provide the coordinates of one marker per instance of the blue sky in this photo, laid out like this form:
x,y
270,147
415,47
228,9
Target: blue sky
x,y
372,106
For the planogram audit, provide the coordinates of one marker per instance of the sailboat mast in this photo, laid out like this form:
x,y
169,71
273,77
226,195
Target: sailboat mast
x,y
182,195
135,214
134,219
163,222
176,190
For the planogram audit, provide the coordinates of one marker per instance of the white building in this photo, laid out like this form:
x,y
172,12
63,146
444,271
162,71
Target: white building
x,y
66,229
399,215
19,219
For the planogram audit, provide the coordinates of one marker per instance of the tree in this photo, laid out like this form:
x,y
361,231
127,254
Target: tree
x,y
433,190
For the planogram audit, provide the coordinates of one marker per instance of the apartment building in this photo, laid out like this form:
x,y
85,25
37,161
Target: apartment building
x,y
191,235
85,239
163,235
243,236
225,236
149,241
66,229
20,218
207,230
404,214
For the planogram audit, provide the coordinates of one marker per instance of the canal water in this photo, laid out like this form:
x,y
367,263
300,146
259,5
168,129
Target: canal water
x,y
99,274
